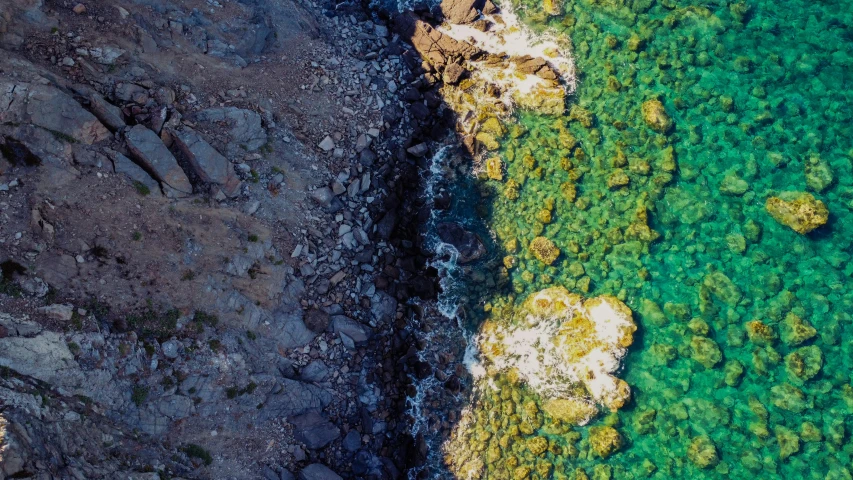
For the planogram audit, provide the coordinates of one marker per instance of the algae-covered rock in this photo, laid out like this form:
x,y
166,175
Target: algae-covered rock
x,y
788,397
734,185
652,313
804,363
544,250
734,371
819,175
537,445
573,411
655,116
722,287
618,179
795,330
760,333
494,168
604,440
702,452
809,432
705,351
799,211
789,442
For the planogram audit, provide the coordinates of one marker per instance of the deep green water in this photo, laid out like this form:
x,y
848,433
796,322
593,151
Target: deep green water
x,y
757,91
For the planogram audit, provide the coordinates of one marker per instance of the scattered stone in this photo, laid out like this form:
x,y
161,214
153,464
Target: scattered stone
x,y
79,9
655,116
419,150
316,471
58,311
171,348
317,320
327,144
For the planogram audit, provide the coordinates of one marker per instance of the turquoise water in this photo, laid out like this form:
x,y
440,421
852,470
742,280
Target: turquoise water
x,y
741,367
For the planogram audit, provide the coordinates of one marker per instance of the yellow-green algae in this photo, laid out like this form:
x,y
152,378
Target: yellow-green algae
x,y
710,110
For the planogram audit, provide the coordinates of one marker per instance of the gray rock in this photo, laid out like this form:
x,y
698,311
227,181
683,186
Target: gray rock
x,y
349,327
50,109
327,144
352,441
45,357
171,348
88,158
286,475
150,152
245,128
295,398
125,166
207,163
323,196
314,430
290,329
57,270
130,92
174,407
418,150
58,311
269,474
19,326
106,112
383,307
316,471
315,371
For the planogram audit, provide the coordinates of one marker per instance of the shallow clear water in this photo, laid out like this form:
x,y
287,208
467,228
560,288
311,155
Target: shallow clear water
x,y
760,95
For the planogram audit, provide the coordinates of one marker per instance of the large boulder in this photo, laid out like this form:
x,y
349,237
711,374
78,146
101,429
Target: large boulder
x,y
109,114
51,109
150,152
468,244
314,430
206,162
294,398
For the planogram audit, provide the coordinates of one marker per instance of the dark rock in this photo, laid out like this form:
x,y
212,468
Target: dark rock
x,y
316,471
352,441
316,371
383,307
323,196
294,399
316,320
147,148
206,162
343,325
314,430
386,226
290,329
468,244
50,109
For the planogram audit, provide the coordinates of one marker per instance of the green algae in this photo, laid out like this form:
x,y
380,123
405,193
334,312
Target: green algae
x,y
689,117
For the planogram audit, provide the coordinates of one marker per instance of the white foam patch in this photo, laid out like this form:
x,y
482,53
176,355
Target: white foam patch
x,y
554,356
509,36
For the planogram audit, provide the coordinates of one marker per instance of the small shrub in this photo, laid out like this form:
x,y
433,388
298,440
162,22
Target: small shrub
x,y
251,335
215,345
195,451
139,394
141,188
253,238
232,392
188,275
137,236
74,348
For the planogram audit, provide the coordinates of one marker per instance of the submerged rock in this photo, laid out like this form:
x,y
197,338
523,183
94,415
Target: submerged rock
x,y
468,244
544,250
655,116
800,211
702,452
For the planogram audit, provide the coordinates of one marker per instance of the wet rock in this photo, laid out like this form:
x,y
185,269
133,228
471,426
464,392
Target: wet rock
x,y
799,211
316,471
314,430
383,307
150,152
206,162
468,244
